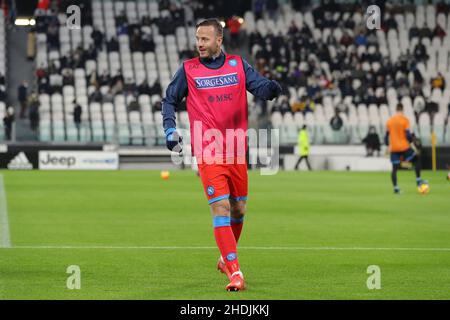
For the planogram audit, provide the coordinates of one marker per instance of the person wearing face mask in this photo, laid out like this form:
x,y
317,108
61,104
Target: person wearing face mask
x,y
372,142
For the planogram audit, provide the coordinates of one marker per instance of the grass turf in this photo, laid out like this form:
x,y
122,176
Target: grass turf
x,y
311,210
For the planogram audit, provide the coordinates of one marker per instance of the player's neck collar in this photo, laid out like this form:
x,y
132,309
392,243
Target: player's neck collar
x,y
214,62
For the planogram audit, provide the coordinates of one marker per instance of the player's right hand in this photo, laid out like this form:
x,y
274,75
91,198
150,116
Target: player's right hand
x,y
174,141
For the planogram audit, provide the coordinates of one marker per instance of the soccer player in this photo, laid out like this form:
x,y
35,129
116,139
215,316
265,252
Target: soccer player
x,y
215,85
398,138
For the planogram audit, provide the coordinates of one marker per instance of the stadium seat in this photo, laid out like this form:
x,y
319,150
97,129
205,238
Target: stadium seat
x,y
425,128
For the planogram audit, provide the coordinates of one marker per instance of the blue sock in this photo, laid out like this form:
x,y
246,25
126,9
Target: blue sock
x,y
237,221
221,221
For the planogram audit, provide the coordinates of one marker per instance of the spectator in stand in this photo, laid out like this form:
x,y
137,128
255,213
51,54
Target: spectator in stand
x,y
439,31
8,121
281,105
258,9
361,39
346,40
187,54
68,77
144,88
147,43
413,32
135,41
108,96
43,86
112,45
293,29
117,83
22,95
336,121
96,96
77,112
157,106
420,52
92,79
2,92
390,22
53,36
91,53
97,37
156,88
104,79
41,72
133,106
43,5
234,25
299,106
425,32
438,82
121,19
431,107
372,142
33,114
272,7
419,107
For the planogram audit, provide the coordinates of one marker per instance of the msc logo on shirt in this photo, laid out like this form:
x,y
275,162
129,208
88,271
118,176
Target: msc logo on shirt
x,y
219,81
220,98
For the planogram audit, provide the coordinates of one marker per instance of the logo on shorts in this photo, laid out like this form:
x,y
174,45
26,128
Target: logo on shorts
x,y
231,256
232,62
210,190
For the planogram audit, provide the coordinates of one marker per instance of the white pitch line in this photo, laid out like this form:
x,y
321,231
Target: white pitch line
x,y
239,248
4,224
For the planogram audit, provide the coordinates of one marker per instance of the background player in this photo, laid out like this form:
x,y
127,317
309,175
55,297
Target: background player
x,y
398,138
215,86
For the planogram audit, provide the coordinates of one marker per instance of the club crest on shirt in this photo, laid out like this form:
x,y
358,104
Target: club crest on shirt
x,y
232,62
210,190
219,81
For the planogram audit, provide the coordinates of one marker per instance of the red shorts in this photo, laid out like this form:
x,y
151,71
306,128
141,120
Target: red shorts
x,y
223,181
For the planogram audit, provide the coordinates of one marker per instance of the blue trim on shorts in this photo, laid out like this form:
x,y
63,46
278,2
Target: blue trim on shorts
x,y
239,198
226,196
407,155
411,157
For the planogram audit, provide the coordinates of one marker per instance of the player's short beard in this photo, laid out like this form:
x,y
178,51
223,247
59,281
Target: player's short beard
x,y
213,51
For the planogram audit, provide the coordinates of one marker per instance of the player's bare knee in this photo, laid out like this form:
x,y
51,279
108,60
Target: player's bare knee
x,y
238,209
221,208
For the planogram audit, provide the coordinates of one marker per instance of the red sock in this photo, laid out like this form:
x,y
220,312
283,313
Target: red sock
x,y
236,226
227,245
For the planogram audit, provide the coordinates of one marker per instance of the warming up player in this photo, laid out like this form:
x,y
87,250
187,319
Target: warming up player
x,y
215,85
398,138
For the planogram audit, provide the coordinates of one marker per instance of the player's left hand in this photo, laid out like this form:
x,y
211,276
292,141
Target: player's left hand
x,y
174,141
276,89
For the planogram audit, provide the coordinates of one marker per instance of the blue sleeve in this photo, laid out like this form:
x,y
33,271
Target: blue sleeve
x,y
408,135
386,138
258,85
175,93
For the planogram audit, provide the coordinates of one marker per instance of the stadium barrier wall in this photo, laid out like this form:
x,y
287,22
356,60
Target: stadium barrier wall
x,y
323,157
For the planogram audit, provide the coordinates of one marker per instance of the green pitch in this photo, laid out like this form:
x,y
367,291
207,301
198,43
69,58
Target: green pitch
x,y
307,235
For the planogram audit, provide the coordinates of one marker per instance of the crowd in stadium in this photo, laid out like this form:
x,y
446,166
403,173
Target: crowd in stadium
x,y
363,74
347,61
